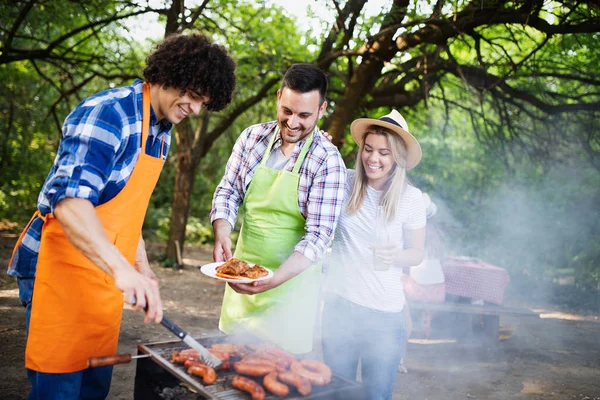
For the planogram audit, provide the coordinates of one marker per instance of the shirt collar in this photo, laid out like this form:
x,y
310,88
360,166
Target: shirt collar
x,y
164,124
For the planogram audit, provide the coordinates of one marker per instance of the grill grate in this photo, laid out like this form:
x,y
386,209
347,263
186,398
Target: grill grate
x,y
338,388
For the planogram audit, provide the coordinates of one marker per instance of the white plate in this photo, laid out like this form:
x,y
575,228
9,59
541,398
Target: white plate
x,y
209,270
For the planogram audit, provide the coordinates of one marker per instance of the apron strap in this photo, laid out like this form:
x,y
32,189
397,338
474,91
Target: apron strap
x,y
35,215
269,147
303,153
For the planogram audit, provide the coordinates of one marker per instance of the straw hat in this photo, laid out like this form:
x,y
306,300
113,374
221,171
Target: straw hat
x,y
430,207
396,123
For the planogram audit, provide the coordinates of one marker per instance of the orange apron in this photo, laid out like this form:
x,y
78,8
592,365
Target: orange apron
x,y
76,307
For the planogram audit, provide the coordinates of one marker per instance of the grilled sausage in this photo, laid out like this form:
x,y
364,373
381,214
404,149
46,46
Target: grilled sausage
x,y
208,374
274,386
224,365
253,369
316,372
301,384
258,361
282,362
281,354
180,357
221,355
233,349
248,385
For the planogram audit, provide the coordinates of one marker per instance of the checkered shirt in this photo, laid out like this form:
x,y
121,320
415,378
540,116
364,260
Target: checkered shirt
x,y
320,191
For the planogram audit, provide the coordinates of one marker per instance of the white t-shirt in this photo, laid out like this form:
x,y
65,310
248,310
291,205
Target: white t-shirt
x,y
351,274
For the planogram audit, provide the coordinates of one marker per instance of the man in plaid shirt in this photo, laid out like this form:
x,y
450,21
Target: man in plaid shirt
x,y
289,179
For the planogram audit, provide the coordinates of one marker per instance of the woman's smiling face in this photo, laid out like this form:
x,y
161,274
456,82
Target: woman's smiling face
x,y
377,160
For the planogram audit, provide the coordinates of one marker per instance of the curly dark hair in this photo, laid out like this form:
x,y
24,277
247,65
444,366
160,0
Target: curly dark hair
x,y
193,62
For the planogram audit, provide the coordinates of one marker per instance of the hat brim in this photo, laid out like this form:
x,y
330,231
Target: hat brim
x,y
414,153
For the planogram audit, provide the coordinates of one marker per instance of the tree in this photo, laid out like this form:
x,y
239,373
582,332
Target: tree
x,y
52,55
260,52
521,63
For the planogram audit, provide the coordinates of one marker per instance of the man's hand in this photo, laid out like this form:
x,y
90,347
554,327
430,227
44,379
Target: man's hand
x,y
294,265
258,286
142,290
222,249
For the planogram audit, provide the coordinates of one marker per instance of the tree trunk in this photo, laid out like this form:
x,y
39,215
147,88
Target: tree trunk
x,y
192,146
184,182
380,50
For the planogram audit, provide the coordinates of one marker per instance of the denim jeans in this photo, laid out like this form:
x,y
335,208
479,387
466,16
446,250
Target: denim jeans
x,y
91,383
351,332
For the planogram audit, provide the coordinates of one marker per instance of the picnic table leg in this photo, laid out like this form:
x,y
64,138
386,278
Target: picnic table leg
x,y
488,326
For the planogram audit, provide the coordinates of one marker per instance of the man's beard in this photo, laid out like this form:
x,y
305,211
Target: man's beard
x,y
304,135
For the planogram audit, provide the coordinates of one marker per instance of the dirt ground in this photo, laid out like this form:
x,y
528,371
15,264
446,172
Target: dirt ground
x,y
557,356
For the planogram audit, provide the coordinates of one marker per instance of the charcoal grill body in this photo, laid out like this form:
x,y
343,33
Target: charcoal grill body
x,y
157,378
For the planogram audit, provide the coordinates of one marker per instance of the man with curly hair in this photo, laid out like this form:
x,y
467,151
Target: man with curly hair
x,y
82,255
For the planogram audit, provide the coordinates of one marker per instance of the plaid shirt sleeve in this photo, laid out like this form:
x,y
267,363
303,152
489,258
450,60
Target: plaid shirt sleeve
x,y
86,156
230,191
323,208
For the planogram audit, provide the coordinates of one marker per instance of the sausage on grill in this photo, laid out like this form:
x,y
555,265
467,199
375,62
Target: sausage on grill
x,y
316,372
208,374
180,357
248,385
274,386
224,365
253,369
301,384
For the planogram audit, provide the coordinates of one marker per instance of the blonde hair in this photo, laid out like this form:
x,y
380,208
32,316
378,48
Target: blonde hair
x,y
396,180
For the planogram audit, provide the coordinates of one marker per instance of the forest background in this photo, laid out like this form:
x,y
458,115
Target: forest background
x,y
503,96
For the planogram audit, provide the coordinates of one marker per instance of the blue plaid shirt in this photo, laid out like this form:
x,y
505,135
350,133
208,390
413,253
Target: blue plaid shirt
x,y
99,148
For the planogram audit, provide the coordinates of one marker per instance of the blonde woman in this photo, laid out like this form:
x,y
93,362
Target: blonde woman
x,y
362,316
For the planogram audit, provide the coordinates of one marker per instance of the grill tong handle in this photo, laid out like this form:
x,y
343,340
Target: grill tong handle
x,y
114,359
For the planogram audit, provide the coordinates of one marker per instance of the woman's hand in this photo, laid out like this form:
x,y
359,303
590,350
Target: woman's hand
x,y
388,252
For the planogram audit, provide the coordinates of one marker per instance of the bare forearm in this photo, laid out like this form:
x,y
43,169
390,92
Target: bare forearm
x,y
295,264
83,228
409,257
141,257
221,228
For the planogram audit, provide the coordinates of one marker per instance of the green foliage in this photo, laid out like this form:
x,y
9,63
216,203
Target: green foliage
x,y
38,91
522,188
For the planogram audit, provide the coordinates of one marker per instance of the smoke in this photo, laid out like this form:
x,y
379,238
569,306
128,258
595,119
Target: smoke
x,y
544,231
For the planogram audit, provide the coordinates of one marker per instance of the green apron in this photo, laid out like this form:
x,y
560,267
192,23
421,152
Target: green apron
x,y
271,228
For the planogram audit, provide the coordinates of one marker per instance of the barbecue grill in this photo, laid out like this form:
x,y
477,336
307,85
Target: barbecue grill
x,y
157,378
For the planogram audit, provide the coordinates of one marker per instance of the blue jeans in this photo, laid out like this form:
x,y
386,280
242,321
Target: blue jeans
x,y
351,332
91,383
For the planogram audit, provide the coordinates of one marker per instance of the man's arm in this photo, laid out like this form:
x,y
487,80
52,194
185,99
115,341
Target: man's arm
x,y
141,261
295,264
323,208
222,249
83,228
228,196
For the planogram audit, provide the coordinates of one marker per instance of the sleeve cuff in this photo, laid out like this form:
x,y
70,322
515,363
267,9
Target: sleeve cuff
x,y
309,250
229,217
